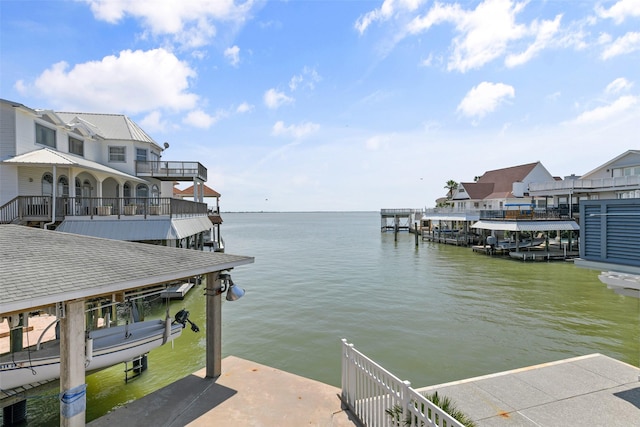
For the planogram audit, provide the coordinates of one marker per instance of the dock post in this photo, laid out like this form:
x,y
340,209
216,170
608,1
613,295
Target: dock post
x,y
415,228
73,398
214,326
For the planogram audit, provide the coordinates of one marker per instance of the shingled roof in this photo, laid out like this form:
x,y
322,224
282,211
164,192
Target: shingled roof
x,y
41,267
498,183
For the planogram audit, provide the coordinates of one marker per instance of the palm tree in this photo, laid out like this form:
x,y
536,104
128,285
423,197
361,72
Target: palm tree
x,y
451,186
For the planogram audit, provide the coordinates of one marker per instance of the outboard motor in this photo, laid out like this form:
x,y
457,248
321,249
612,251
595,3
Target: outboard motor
x,y
182,317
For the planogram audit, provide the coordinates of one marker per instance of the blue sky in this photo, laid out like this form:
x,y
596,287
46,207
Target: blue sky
x,y
340,105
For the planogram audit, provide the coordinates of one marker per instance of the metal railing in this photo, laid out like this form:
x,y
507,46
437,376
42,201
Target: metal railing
x,y
38,208
171,170
586,184
369,391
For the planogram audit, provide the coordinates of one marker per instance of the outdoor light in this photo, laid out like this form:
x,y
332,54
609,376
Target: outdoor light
x,y
226,285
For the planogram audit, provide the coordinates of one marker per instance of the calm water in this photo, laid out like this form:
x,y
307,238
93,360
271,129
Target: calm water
x,y
430,314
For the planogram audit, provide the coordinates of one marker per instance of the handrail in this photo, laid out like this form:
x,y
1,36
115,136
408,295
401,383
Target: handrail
x,y
38,208
369,391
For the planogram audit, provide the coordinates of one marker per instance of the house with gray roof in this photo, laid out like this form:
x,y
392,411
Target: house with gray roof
x,y
98,175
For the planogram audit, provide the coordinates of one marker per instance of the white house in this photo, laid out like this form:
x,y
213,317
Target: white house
x,y
95,174
619,178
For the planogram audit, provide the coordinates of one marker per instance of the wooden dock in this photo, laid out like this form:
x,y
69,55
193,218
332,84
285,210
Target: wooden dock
x,y
177,291
399,219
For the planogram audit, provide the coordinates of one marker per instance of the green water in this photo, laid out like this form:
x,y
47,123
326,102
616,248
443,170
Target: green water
x,y
430,314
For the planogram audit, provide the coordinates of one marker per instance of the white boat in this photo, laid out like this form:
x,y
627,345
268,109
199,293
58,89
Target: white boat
x,y
104,348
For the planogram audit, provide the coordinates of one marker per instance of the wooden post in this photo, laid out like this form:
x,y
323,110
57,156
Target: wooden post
x,y
72,359
213,326
415,227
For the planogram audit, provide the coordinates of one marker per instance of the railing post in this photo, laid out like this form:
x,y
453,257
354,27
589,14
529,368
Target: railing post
x,y
406,400
348,374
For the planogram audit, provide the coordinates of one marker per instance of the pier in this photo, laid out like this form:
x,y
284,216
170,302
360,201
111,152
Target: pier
x,y
399,219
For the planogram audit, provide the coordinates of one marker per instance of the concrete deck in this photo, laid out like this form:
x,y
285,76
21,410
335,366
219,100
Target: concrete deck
x,y
593,390
246,394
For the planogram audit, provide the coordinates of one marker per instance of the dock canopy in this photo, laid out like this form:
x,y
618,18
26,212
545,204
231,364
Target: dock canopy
x,y
527,225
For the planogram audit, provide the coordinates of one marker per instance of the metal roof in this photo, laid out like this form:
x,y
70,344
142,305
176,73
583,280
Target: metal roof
x,y
49,157
451,217
137,229
41,267
109,126
527,225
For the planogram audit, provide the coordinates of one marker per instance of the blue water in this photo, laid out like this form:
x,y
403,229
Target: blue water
x,y
430,314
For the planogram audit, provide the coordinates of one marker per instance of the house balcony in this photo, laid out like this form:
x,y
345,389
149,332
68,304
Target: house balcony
x,y
26,209
571,186
171,171
562,211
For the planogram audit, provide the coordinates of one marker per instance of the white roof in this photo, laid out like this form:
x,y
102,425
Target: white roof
x,y
161,228
527,225
452,217
49,157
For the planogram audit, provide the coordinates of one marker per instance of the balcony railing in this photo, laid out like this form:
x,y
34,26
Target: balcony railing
x,y
586,184
562,211
176,171
38,208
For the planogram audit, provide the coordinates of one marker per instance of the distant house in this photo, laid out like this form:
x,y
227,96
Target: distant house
x,y
97,175
619,178
498,188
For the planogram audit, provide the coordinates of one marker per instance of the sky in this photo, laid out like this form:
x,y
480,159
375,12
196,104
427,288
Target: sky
x,y
340,105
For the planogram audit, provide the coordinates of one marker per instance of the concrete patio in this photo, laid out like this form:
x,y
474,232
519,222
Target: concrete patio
x,y
246,394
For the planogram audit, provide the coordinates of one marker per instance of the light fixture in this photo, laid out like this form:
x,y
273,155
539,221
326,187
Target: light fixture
x,y
226,285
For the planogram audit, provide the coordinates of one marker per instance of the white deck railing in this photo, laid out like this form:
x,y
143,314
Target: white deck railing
x,y
369,391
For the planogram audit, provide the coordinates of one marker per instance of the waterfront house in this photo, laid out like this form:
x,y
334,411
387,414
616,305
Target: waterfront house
x,y
99,175
618,178
500,188
497,202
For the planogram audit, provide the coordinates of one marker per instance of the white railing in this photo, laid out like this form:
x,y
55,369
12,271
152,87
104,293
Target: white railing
x,y
369,391
586,184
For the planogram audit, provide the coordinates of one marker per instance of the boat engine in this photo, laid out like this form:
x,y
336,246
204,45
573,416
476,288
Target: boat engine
x,y
182,317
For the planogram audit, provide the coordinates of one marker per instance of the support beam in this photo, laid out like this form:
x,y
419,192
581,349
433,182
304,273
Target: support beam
x,y
213,326
72,359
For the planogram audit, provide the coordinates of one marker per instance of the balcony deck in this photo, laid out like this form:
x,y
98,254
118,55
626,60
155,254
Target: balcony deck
x,y
171,171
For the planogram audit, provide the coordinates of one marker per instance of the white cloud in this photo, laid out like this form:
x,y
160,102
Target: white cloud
x,y
274,99
244,108
485,98
200,119
621,10
608,111
628,43
386,11
486,33
233,55
153,122
132,82
377,142
306,79
295,131
618,85
544,33
190,22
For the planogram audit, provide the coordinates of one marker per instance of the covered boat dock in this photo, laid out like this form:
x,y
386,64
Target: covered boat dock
x,y
531,249
59,272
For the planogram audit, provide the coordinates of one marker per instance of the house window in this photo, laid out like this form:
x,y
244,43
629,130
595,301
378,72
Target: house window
x,y
47,184
63,186
78,188
142,191
76,146
141,155
117,154
45,136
